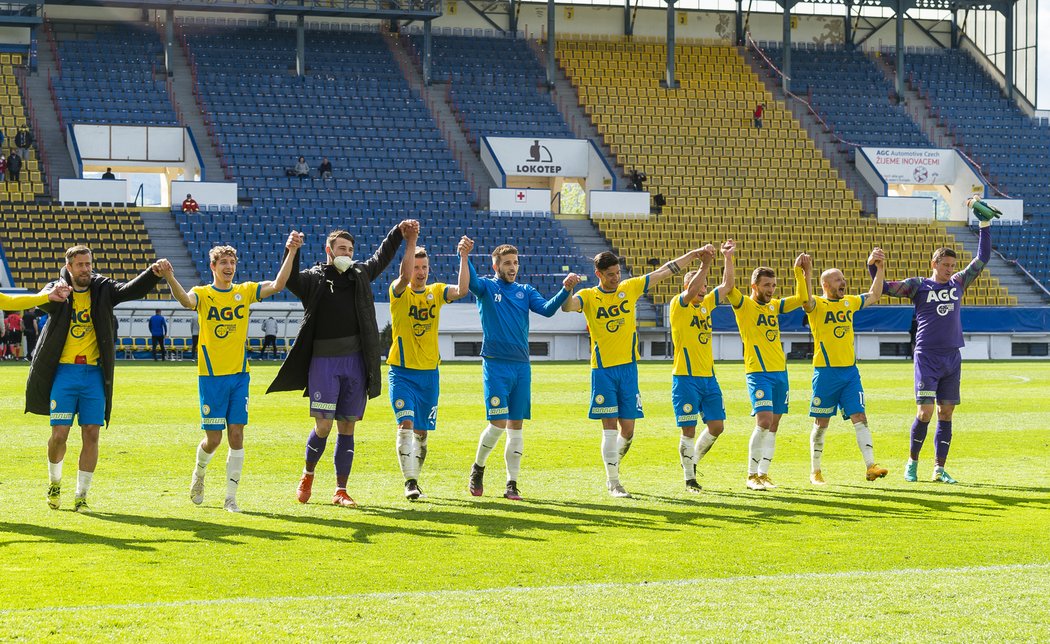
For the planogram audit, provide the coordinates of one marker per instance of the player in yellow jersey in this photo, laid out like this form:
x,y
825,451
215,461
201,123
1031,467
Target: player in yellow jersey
x,y
72,372
222,357
765,366
610,311
695,394
415,310
836,380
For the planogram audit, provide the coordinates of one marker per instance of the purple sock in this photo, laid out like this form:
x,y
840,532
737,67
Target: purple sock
x,y
918,436
943,439
344,458
314,448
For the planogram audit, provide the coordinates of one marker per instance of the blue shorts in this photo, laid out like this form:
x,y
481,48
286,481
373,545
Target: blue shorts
x,y
508,389
614,392
696,397
224,400
77,390
414,396
836,388
769,391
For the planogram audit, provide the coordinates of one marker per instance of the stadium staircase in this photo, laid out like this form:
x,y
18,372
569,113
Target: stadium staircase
x,y
12,115
47,130
771,189
169,243
390,161
185,100
436,98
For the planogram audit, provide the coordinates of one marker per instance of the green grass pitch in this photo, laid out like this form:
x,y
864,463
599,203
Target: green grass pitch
x,y
854,561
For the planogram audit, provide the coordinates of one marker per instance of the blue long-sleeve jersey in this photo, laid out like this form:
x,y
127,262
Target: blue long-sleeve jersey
x,y
504,308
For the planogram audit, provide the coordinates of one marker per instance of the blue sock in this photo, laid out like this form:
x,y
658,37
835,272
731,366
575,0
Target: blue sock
x,y
314,448
943,438
344,458
918,437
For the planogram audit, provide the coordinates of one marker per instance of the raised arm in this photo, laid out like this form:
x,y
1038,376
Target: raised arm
x,y
729,273
411,235
378,262
292,246
187,300
803,265
54,292
984,252
460,290
904,289
878,258
549,307
572,303
692,289
673,267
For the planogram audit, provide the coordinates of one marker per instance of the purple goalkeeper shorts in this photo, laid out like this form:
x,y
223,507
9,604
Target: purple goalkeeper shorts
x,y
338,387
937,375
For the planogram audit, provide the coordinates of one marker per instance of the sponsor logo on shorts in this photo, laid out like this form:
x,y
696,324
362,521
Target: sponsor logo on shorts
x,y
685,418
317,395
493,401
401,414
763,403
926,394
399,404
320,406
821,410
760,394
213,421
59,416
606,410
816,400
54,404
499,410
205,410
687,408
599,399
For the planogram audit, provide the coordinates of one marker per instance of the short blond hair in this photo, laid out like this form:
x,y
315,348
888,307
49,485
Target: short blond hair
x,y
501,250
79,249
421,252
219,252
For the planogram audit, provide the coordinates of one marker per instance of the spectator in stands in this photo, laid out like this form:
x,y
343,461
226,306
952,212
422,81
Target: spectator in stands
x,y
301,169
760,111
190,205
195,334
108,174
269,327
636,180
24,141
14,165
158,328
325,169
3,166
30,330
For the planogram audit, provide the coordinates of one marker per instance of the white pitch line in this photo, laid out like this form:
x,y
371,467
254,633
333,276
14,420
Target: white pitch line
x,y
1022,378
707,581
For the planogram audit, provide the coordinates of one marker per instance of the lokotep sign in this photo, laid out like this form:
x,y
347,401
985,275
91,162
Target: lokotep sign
x,y
916,166
533,157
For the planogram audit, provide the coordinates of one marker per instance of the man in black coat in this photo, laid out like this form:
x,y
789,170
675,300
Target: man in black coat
x,y
335,358
72,370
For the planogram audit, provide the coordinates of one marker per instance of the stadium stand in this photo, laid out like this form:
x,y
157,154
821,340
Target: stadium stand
x,y
1008,145
36,238
495,86
770,189
390,161
110,73
12,115
851,94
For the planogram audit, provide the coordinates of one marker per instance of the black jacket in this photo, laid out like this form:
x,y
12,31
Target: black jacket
x,y
105,294
306,286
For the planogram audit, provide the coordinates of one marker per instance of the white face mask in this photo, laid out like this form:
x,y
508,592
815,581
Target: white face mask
x,y
341,263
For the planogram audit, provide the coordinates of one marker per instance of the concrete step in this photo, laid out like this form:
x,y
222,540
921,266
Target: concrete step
x,y
50,139
169,243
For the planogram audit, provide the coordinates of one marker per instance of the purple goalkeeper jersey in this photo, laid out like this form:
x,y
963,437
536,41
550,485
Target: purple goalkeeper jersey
x,y
937,306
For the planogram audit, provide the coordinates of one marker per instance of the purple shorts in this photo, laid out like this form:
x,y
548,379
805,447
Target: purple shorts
x,y
937,375
337,386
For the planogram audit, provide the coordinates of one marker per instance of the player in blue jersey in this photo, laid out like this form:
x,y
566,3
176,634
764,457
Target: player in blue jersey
x,y
504,305
938,361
